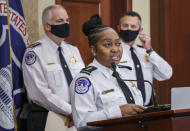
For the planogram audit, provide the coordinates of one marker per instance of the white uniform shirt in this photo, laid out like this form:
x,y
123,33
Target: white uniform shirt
x,y
98,96
153,66
44,78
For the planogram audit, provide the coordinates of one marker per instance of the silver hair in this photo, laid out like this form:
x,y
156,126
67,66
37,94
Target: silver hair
x,y
46,15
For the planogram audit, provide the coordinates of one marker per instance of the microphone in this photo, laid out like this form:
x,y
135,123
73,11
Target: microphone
x,y
152,93
153,108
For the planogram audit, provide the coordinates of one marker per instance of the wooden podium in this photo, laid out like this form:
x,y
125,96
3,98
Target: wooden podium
x,y
170,120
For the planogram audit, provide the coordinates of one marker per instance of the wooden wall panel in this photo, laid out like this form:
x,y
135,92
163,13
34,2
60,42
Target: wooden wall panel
x,y
81,10
117,10
157,29
171,37
180,42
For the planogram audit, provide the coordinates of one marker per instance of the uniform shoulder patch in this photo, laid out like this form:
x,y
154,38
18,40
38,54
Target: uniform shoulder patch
x,y
122,66
87,70
30,58
34,45
140,46
82,85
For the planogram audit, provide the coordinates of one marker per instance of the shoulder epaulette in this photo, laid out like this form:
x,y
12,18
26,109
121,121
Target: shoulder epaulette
x,y
87,70
140,46
122,66
34,45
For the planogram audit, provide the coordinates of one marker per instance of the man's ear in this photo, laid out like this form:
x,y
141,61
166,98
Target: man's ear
x,y
118,28
93,50
47,27
141,29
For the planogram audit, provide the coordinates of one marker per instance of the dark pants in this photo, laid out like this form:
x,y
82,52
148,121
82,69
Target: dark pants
x,y
36,119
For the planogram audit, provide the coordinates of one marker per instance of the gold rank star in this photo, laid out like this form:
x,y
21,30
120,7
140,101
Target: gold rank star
x,y
73,59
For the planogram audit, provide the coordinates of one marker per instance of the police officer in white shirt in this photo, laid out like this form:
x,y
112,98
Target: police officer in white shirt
x,y
151,64
95,92
45,80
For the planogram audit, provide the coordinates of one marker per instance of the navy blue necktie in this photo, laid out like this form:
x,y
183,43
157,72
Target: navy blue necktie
x,y
65,67
125,89
139,73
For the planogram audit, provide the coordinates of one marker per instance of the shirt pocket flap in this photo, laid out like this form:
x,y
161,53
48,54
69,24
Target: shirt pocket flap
x,y
54,67
146,64
77,65
110,98
54,75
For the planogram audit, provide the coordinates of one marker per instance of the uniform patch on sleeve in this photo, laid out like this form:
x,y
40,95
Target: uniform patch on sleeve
x,y
82,85
30,58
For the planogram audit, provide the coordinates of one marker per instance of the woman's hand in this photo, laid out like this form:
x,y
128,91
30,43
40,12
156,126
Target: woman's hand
x,y
131,109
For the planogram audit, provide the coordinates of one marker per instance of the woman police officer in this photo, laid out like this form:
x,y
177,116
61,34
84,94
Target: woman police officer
x,y
95,92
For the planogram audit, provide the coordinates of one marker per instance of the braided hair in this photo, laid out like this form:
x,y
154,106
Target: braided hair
x,y
93,28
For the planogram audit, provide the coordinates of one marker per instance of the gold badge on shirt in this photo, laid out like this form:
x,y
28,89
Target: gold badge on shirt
x,y
73,59
146,58
133,85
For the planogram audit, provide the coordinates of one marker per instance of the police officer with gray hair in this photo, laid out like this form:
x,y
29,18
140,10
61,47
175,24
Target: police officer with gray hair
x,y
49,66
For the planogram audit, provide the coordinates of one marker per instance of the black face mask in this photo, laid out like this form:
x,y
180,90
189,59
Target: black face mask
x,y
60,30
129,35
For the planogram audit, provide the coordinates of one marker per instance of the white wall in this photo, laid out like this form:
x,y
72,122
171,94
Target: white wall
x,y
143,8
42,4
33,15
